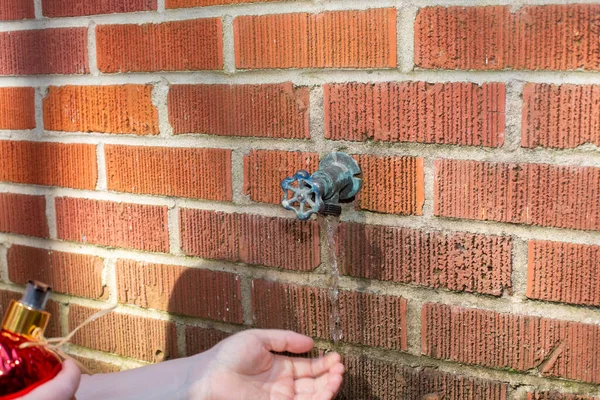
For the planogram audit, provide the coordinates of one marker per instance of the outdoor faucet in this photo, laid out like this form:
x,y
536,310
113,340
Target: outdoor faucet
x,y
321,192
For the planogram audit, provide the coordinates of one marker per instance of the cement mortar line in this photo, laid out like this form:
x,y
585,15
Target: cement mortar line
x,y
3,264
405,38
105,357
101,182
51,215
307,77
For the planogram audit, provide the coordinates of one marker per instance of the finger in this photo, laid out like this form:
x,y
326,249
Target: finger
x,y
312,368
329,382
62,387
278,340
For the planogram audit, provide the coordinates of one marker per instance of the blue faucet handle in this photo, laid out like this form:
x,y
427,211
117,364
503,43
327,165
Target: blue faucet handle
x,y
301,189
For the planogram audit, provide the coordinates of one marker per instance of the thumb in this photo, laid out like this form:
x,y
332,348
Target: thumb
x,y
279,340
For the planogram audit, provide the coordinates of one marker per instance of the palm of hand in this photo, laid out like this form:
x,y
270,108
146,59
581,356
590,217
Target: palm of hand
x,y
243,367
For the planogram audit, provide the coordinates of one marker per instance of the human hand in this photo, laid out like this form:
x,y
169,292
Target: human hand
x,y
62,387
243,367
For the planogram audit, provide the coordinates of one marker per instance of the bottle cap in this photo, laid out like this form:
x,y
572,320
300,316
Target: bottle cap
x,y
36,295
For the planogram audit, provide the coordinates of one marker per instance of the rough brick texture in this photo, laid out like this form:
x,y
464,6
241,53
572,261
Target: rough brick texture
x,y
16,9
456,261
367,378
170,46
554,348
275,110
564,272
190,291
24,215
265,169
76,274
548,37
50,164
105,109
275,242
72,8
560,116
53,329
182,172
200,3
535,194
17,108
128,335
136,226
391,184
444,113
557,396
95,366
199,339
44,51
339,39
365,318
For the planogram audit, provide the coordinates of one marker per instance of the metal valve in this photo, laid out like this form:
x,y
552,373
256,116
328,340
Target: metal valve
x,y
335,180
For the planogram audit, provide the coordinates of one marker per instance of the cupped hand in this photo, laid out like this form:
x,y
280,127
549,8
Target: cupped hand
x,y
62,387
243,367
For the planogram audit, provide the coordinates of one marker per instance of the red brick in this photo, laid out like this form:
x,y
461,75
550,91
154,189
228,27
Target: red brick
x,y
337,39
265,169
76,274
200,3
44,51
49,164
199,339
190,291
272,110
554,348
391,185
23,215
564,272
253,239
96,366
170,46
182,172
16,9
444,113
557,396
367,319
53,328
560,116
136,226
142,338
533,194
105,109
367,378
455,261
73,8
17,108
547,37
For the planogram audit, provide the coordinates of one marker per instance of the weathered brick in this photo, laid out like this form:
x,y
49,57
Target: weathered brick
x,y
265,169
554,348
564,272
136,226
557,396
445,113
169,46
53,328
23,214
183,172
190,291
44,51
16,9
367,378
338,39
49,164
391,184
533,194
455,261
199,339
95,366
560,116
73,8
76,274
17,108
105,109
275,242
368,319
200,3
271,110
142,338
548,37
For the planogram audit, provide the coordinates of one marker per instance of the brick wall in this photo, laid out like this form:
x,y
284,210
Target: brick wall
x,y
142,143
